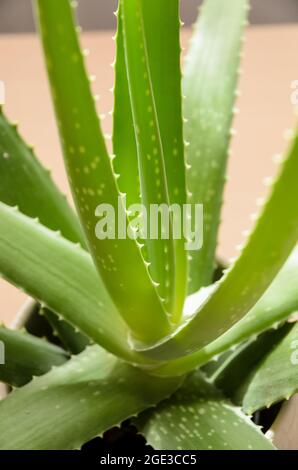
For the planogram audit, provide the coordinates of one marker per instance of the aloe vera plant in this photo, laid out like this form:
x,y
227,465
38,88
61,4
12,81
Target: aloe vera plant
x,y
143,330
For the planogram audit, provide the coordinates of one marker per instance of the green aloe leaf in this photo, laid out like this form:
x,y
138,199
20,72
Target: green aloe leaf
x,y
88,395
61,276
71,339
275,378
198,417
236,369
210,82
276,305
154,86
91,176
27,356
250,276
125,162
26,184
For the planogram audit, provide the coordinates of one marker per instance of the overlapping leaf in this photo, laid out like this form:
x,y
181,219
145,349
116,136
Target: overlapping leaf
x,y
268,247
279,301
198,417
153,82
93,182
275,378
26,184
61,276
27,356
77,401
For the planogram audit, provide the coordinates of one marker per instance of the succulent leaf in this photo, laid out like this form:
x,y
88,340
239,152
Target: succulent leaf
x,y
210,82
71,339
26,184
276,305
93,183
27,356
198,417
275,378
154,85
61,276
77,401
231,377
125,151
267,249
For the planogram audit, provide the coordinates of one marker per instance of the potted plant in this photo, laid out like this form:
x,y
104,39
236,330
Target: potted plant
x,y
142,328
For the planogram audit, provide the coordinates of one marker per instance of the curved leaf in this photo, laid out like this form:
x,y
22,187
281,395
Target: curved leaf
x,y
91,176
267,249
27,356
153,78
61,276
275,378
232,375
26,184
77,401
276,305
198,417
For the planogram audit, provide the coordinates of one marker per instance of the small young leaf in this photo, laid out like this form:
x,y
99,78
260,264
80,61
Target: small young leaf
x,y
77,402
27,356
198,417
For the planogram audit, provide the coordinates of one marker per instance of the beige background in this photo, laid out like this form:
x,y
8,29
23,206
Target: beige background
x,y
270,64
16,15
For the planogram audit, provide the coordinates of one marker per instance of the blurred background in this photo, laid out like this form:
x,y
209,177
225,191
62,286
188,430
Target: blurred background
x,y
16,15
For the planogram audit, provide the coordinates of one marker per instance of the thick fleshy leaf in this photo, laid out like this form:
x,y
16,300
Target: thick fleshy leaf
x,y
26,184
237,368
250,276
62,276
276,305
210,82
125,162
275,378
198,417
71,339
153,79
93,183
27,356
77,401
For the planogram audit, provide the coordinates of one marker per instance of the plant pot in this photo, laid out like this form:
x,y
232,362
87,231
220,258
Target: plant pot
x,y
284,430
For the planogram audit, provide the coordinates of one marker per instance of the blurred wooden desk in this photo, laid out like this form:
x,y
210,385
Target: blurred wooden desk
x,y
270,64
